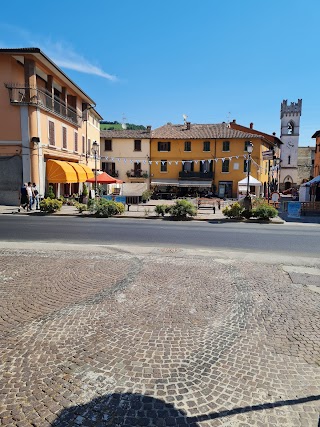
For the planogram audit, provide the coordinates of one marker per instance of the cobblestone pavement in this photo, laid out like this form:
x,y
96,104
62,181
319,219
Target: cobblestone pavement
x,y
165,338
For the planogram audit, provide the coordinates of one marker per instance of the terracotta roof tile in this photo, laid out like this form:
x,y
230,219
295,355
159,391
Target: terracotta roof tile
x,y
200,131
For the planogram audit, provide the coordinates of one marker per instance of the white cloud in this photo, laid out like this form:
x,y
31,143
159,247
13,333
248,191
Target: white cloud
x,y
61,53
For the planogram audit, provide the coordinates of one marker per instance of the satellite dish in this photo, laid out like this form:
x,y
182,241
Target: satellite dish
x,y
185,117
124,126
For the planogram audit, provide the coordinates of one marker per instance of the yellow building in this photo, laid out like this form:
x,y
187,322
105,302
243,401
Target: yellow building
x,y
198,158
47,127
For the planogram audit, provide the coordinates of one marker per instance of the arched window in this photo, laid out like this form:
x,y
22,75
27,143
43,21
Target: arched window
x,y
290,127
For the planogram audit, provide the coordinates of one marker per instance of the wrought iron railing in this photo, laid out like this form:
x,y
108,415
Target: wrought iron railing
x,y
198,175
25,95
137,174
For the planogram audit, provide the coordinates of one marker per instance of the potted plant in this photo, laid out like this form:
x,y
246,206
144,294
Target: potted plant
x,y
145,175
128,173
145,196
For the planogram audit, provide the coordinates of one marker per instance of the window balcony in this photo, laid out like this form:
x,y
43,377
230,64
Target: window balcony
x,y
138,173
24,95
195,175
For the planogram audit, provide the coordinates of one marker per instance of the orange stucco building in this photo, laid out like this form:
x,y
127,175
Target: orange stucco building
x,y
46,119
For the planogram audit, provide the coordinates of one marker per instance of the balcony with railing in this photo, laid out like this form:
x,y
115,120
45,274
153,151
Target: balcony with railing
x,y
24,95
137,173
195,175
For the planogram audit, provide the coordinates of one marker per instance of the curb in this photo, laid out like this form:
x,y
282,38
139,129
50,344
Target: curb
x,y
214,220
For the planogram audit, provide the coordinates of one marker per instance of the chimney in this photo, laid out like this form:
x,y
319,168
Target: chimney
x,y
188,125
234,121
251,125
148,128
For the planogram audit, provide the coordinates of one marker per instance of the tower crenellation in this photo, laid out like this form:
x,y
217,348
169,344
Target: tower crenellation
x,y
295,108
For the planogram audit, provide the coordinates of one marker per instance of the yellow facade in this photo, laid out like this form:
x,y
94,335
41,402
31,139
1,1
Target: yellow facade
x,y
217,171
44,116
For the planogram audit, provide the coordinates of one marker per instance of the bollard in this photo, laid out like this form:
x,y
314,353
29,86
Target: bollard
x,y
129,207
214,209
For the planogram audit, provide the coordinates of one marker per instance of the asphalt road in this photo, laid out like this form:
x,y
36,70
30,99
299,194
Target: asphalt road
x,y
300,240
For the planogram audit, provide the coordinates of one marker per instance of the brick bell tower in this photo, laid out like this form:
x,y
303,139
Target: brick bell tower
x,y
290,131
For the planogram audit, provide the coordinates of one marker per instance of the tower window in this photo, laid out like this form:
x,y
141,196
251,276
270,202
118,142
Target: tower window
x,y
290,128
289,160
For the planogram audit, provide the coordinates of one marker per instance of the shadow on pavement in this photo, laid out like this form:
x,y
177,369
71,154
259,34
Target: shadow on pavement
x,y
128,410
125,410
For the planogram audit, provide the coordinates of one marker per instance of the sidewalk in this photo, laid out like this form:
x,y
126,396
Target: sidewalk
x,y
142,211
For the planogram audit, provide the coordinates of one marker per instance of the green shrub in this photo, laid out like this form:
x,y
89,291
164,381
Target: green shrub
x,y
50,205
120,207
51,194
264,211
81,207
85,191
162,209
233,211
182,209
246,213
62,199
105,208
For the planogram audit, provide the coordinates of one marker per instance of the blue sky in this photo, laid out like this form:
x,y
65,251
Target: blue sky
x,y
152,61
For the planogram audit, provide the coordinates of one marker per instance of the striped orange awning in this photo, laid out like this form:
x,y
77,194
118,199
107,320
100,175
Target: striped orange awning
x,y
81,173
60,172
88,171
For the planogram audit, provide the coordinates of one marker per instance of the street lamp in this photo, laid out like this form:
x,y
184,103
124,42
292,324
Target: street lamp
x,y
277,162
95,150
247,199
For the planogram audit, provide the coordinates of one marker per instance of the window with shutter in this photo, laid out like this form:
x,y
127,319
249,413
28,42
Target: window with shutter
x,y
164,166
226,146
187,146
137,145
64,137
52,140
206,146
225,165
89,146
163,146
76,141
107,145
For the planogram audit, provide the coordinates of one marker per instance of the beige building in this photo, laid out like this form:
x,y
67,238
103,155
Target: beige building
x,y
125,154
47,127
306,157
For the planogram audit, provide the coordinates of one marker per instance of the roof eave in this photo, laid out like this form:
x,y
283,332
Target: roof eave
x,y
38,53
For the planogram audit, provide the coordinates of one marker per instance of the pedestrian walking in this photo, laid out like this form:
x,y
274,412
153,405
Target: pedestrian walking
x,y
23,197
35,195
30,196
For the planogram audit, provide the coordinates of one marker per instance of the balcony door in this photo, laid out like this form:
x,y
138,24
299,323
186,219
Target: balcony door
x,y
137,169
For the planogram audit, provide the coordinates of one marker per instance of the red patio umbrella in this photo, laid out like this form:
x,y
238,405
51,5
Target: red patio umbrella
x,y
103,178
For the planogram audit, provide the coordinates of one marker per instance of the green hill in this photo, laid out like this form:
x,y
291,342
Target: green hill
x,y
105,125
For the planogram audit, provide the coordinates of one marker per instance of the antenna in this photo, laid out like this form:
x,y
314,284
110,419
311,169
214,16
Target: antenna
x,y
228,117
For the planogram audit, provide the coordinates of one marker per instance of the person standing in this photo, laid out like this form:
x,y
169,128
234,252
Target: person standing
x,y
35,195
23,197
30,196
